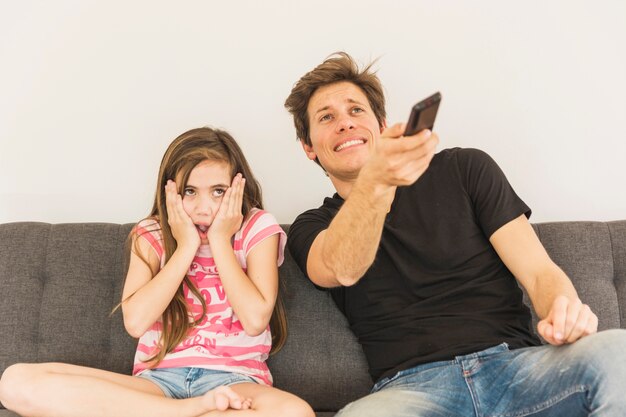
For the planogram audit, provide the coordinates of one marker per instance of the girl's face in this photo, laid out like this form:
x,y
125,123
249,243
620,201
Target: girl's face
x,y
202,196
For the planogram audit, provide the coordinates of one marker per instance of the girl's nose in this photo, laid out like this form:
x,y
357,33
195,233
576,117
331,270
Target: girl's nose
x,y
204,205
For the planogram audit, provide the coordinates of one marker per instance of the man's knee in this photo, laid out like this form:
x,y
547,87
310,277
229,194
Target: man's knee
x,y
599,358
608,345
607,349
393,403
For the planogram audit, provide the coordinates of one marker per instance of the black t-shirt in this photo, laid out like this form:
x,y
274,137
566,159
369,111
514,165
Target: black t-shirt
x,y
437,288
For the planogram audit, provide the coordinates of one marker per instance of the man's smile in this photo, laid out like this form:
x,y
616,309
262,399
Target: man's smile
x,y
349,143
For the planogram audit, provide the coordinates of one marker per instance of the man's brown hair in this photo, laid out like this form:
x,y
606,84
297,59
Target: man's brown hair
x,y
336,68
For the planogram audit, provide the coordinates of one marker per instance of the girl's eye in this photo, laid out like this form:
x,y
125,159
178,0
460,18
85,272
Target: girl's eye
x,y
189,191
218,192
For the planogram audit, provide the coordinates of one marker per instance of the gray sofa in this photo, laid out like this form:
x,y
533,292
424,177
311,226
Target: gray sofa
x,y
58,283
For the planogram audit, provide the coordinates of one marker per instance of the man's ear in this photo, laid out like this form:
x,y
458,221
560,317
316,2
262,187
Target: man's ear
x,y
383,125
308,150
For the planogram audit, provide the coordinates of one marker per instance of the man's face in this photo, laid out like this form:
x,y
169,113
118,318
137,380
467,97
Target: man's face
x,y
343,130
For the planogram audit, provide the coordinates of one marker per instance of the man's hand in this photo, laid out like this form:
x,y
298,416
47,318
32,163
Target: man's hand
x,y
567,322
400,160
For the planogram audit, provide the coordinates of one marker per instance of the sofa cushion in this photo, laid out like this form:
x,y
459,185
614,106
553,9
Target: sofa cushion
x,y
321,361
584,250
59,284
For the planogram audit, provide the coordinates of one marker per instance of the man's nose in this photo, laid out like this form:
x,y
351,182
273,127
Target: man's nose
x,y
345,123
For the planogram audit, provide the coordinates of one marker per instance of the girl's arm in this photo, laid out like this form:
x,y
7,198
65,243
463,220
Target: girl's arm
x,y
148,290
252,295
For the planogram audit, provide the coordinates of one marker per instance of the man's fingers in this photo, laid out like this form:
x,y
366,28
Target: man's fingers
x,y
546,330
394,131
559,317
586,324
568,321
571,318
579,327
592,326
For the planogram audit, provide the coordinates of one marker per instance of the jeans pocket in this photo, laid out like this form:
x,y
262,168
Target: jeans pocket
x,y
386,381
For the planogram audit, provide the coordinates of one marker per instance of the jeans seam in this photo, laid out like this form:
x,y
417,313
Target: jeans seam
x,y
385,383
546,404
192,376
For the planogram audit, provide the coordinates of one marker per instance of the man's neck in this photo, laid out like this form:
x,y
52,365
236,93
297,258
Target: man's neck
x,y
342,187
345,187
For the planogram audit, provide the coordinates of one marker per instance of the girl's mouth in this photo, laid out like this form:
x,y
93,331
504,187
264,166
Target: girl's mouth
x,y
202,228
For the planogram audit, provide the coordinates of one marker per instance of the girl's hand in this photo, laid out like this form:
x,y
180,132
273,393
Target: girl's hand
x,y
229,217
183,229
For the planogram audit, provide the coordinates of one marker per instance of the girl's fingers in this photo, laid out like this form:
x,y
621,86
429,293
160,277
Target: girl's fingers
x,y
237,197
170,198
242,186
226,201
173,201
234,196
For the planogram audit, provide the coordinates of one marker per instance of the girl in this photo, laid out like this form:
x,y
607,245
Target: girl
x,y
201,288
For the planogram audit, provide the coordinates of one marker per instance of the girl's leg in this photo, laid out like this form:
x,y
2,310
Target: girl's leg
x,y
266,402
55,389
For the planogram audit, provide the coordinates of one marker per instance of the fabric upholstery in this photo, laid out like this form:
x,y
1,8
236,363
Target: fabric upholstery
x,y
59,283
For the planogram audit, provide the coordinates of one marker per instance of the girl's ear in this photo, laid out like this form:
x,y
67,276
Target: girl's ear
x,y
308,150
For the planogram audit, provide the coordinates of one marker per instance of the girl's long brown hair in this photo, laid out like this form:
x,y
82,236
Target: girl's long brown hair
x,y
181,157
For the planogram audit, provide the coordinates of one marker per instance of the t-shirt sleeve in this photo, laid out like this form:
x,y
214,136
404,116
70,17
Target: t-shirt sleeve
x,y
494,200
150,231
303,232
258,227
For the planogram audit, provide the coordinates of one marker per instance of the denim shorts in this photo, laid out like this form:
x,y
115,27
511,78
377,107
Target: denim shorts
x,y
191,382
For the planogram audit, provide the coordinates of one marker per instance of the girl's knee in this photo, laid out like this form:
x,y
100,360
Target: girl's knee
x,y
14,386
294,408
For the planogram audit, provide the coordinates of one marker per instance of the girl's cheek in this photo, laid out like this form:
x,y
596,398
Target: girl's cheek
x,y
187,206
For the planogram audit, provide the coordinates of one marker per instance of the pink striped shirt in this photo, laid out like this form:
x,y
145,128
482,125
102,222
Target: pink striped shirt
x,y
219,341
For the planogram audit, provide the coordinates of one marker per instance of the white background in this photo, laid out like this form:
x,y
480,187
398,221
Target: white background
x,y
92,92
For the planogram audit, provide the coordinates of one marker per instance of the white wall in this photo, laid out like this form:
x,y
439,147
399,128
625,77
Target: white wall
x,y
92,92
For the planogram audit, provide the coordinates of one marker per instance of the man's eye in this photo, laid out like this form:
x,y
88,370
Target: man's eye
x,y
357,110
325,117
189,191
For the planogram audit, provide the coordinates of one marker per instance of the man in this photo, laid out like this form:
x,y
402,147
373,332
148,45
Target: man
x,y
422,252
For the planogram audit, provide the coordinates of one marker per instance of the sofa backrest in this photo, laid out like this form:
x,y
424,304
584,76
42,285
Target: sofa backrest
x,y
593,255
58,284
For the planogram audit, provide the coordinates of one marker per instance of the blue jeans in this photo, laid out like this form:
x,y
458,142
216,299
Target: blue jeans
x,y
191,382
586,378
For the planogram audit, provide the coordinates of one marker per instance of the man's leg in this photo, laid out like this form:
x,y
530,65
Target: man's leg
x,y
586,378
431,390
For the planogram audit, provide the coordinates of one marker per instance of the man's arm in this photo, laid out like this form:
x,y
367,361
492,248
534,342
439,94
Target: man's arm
x,y
341,254
564,318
